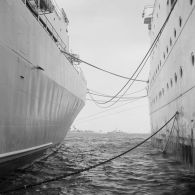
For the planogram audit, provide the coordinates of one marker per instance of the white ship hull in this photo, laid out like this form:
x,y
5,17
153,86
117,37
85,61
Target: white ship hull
x,y
172,78
41,93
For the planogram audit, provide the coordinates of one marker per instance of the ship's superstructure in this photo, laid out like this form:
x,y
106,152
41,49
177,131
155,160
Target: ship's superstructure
x,y
41,91
172,75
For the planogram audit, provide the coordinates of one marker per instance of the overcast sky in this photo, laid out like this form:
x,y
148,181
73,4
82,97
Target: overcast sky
x,y
111,35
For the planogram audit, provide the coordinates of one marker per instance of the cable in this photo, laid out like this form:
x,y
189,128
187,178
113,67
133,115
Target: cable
x,y
131,78
98,104
90,167
123,100
84,118
166,144
104,96
144,60
106,71
115,113
119,98
99,93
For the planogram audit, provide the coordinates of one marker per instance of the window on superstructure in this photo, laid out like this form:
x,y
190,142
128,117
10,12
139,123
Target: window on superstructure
x,y
192,58
164,55
191,2
167,50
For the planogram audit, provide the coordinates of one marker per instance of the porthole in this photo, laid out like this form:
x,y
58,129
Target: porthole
x,y
192,58
191,2
175,78
175,33
164,55
181,72
167,2
170,42
171,81
160,94
167,50
180,21
172,1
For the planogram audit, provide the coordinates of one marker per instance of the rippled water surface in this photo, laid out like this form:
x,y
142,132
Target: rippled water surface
x,y
142,171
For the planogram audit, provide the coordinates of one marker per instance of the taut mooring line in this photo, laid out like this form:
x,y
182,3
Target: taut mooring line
x,y
166,144
87,168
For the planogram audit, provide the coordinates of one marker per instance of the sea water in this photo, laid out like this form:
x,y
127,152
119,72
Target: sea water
x,y
145,170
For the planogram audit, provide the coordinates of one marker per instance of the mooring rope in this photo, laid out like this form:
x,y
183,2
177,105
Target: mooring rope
x,y
166,144
25,187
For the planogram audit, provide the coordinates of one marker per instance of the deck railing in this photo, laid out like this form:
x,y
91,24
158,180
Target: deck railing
x,y
49,28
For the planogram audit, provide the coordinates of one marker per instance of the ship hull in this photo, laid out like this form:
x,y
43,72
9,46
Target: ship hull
x,y
172,83
19,160
41,93
35,112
